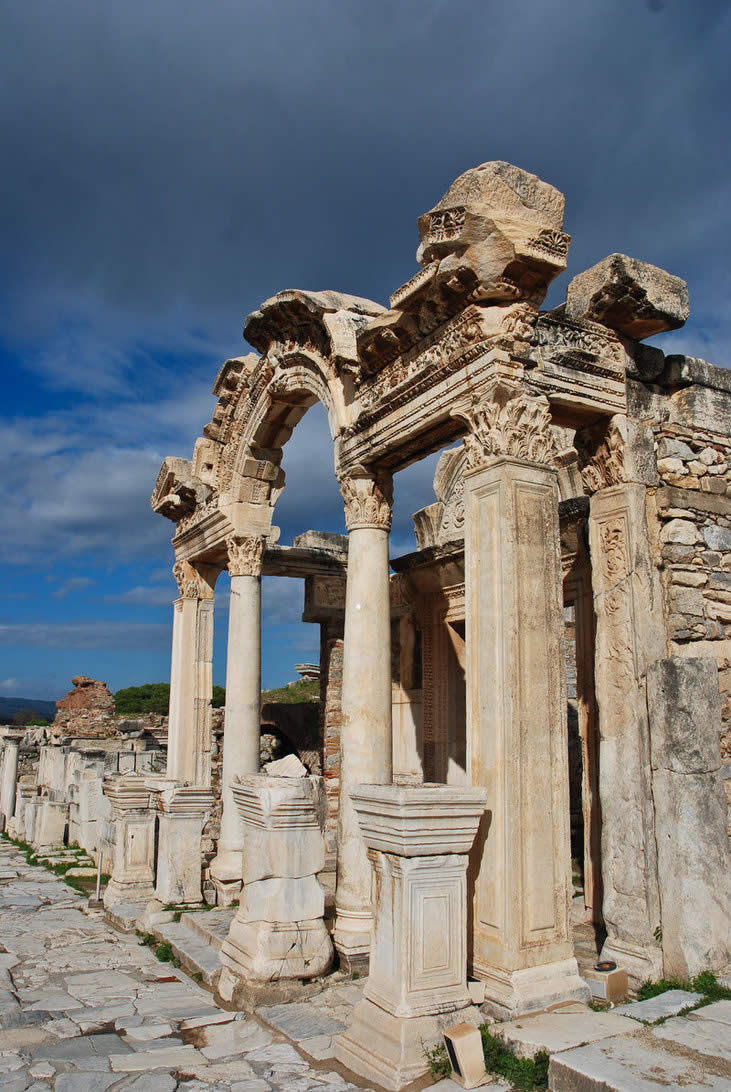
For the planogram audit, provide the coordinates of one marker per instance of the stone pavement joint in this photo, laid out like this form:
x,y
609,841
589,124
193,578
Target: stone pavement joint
x,y
84,1008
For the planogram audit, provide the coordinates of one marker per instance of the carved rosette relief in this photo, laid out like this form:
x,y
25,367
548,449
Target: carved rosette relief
x,y
245,555
192,584
510,423
368,497
601,459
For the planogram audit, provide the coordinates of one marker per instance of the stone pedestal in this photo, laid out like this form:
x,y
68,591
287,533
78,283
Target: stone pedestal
x,y
182,814
517,736
418,839
49,828
133,855
279,931
11,742
366,735
242,723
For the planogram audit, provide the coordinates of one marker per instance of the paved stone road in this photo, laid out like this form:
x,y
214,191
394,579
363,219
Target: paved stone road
x,y
83,1008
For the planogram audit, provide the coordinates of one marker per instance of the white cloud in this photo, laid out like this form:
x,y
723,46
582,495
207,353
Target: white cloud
x,y
73,584
8,684
128,636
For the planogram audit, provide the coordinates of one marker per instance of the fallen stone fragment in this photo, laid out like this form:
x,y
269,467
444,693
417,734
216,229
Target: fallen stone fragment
x,y
655,1008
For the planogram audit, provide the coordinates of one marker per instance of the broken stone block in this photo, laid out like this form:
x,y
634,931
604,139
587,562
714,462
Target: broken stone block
x,y
684,704
632,297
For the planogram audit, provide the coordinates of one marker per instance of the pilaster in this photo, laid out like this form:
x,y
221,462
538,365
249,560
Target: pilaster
x,y
516,707
182,814
133,853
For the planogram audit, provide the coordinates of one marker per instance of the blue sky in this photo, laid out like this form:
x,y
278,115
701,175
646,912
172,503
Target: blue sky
x,y
168,165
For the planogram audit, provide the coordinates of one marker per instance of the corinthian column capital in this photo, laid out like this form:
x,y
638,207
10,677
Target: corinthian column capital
x,y
245,555
508,421
368,497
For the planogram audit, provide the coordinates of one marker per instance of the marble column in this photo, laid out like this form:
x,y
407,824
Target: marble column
x,y
516,707
9,775
191,677
418,838
242,723
366,736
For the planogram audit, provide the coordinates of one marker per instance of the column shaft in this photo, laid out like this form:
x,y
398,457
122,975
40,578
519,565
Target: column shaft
x,y
242,722
366,744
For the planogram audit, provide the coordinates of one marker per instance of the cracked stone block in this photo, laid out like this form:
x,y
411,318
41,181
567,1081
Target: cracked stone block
x,y
632,297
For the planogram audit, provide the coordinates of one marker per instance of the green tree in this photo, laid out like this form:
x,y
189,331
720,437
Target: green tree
x,y
153,698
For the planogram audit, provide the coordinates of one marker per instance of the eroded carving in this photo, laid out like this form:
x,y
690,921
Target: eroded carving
x,y
193,582
601,459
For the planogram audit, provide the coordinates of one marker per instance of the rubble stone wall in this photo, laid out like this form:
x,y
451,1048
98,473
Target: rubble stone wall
x,y
694,514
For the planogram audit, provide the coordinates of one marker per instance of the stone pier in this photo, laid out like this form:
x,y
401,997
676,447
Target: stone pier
x,y
516,712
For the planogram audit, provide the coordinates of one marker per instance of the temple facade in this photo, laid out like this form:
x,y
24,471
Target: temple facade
x,y
546,679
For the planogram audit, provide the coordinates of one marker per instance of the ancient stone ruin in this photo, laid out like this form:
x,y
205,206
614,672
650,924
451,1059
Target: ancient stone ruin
x,y
570,594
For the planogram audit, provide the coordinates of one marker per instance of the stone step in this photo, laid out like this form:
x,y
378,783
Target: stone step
x,y
212,926
633,1064
195,954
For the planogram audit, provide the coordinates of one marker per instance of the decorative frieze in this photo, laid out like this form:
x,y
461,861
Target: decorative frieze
x,y
509,423
368,497
245,554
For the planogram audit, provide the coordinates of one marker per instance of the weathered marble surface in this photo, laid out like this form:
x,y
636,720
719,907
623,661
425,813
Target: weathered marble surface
x,y
84,1008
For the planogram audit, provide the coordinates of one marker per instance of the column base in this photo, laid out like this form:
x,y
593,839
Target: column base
x,y
352,939
263,951
228,892
509,994
641,964
390,1050
226,872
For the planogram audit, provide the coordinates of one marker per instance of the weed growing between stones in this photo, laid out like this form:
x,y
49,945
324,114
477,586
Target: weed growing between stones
x,y
438,1061
705,983
523,1074
57,867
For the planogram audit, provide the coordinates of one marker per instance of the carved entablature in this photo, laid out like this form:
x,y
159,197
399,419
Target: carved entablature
x,y
508,422
579,359
474,332
245,555
368,497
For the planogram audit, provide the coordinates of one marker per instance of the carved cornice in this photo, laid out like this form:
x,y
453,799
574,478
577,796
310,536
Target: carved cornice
x,y
508,422
245,555
368,497
601,456
192,582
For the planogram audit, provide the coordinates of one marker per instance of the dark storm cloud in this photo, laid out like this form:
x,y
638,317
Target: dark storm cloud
x,y
168,165
188,159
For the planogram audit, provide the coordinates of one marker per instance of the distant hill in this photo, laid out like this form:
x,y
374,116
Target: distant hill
x,y
10,706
